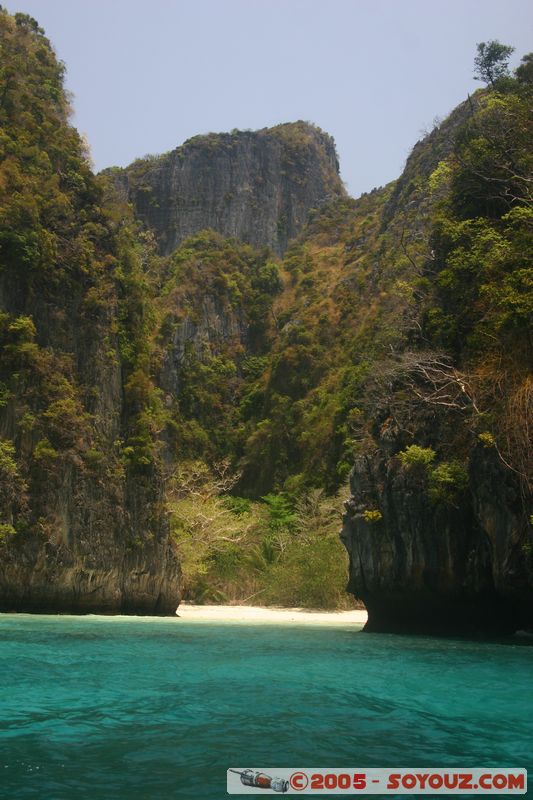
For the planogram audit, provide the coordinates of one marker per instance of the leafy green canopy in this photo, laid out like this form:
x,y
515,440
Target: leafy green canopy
x,y
492,61
75,303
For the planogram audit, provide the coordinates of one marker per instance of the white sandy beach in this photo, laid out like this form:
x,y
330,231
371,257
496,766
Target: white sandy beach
x,y
256,614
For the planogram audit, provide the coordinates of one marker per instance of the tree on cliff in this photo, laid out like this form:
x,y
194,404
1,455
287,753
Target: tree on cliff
x,y
492,61
524,73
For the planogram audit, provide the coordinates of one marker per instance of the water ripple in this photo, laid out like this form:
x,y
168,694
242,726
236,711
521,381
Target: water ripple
x,y
132,708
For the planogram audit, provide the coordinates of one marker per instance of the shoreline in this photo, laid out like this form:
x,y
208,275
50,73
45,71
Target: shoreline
x,y
188,612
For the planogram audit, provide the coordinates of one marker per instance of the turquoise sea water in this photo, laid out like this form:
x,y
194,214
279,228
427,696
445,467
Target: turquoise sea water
x,y
131,708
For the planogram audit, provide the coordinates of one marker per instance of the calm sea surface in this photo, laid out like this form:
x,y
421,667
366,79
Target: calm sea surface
x,y
103,708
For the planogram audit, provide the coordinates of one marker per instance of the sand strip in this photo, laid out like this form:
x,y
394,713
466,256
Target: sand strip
x,y
256,614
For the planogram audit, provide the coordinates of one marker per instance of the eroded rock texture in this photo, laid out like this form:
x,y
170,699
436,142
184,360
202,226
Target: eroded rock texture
x,y
257,186
428,567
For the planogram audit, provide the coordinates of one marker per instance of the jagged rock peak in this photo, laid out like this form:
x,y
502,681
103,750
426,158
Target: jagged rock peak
x,y
255,185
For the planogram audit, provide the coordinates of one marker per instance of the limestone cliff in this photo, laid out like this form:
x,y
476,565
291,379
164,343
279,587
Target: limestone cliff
x,y
438,527
257,186
431,567
83,526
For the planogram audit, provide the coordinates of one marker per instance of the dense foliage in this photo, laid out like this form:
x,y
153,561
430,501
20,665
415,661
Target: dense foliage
x,y
75,303
272,550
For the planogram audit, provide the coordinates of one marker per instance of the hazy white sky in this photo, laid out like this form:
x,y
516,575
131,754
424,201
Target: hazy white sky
x,y
148,74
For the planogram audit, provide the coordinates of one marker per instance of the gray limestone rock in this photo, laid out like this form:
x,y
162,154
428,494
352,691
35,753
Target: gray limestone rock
x,y
257,186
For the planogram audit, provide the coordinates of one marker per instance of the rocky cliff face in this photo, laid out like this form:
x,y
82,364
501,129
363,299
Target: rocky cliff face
x,y
100,553
83,526
438,568
438,527
256,186
91,534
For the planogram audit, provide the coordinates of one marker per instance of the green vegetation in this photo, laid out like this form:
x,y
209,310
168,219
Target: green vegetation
x,y
215,292
482,297
372,515
277,550
447,482
415,456
76,304
492,61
